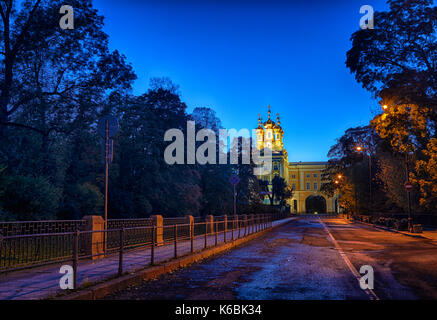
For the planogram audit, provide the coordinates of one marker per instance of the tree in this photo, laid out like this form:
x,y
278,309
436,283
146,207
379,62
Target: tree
x,y
399,55
52,78
397,62
350,169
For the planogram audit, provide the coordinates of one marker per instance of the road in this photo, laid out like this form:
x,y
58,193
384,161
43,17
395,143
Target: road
x,y
308,258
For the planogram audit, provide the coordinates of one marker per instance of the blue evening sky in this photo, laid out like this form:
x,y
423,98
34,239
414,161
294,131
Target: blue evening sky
x,y
237,57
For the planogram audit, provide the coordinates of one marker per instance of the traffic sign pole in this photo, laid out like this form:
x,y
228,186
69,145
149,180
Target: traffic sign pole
x,y
235,202
107,127
234,180
408,187
106,180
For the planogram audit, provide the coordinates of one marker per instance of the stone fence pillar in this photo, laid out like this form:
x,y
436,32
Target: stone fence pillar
x,y
209,224
158,222
190,221
93,242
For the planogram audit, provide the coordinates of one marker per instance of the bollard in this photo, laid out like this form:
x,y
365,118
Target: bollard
x,y
120,257
152,250
75,257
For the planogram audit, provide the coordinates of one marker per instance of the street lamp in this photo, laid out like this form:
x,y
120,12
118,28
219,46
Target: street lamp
x,y
359,148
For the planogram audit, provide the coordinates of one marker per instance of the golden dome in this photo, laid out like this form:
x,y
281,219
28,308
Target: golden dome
x,y
260,126
278,123
269,122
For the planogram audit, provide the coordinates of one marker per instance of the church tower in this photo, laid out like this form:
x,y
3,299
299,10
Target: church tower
x,y
269,134
279,133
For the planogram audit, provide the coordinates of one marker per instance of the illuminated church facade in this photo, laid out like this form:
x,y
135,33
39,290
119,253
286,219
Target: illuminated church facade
x,y
305,178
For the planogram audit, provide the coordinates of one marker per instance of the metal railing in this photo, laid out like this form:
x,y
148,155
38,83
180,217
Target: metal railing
x,y
31,250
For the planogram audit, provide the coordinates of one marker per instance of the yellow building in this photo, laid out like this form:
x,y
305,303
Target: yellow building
x,y
304,177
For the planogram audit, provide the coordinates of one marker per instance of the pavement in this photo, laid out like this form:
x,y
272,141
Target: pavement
x,y
309,258
43,282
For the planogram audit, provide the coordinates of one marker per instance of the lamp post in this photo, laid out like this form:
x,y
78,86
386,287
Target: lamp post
x,y
408,186
359,149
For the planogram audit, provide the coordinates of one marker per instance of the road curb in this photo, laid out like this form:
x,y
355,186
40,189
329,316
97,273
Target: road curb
x,y
100,290
390,230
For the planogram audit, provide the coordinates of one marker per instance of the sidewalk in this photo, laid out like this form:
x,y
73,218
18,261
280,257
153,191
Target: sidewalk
x,y
42,282
430,234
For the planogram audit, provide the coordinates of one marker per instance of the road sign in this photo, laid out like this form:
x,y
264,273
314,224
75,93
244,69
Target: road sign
x,y
234,180
112,126
408,186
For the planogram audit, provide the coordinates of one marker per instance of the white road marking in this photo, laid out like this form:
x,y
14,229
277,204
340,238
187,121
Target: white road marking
x,y
372,295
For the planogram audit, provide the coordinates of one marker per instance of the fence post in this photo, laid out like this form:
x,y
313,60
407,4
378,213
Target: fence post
x,y
190,221
215,233
175,229
209,225
232,230
75,257
192,238
225,221
251,222
120,257
152,249
244,217
206,234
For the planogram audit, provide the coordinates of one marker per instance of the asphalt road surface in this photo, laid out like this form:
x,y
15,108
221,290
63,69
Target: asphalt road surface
x,y
308,258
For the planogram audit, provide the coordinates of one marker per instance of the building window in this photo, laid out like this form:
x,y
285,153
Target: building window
x,y
315,185
315,175
308,186
293,186
293,176
308,175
